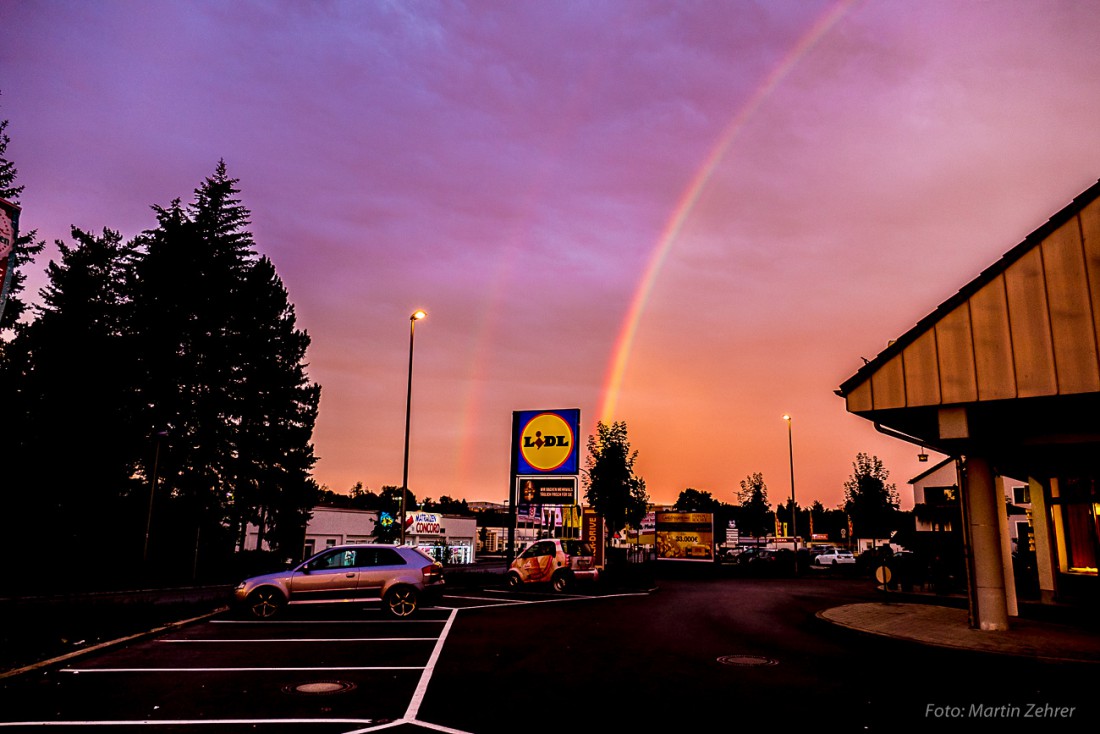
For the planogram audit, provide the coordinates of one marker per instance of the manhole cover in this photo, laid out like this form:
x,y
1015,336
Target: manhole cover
x,y
320,687
746,660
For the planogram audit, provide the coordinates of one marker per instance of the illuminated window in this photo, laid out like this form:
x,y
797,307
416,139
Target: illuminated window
x,y
1079,504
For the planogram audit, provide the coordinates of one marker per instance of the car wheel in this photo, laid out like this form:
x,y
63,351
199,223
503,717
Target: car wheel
x,y
265,603
402,601
561,581
514,580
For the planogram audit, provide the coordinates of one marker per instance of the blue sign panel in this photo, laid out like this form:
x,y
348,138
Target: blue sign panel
x,y
546,441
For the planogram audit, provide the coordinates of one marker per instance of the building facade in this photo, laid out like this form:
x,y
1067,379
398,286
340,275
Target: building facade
x,y
450,539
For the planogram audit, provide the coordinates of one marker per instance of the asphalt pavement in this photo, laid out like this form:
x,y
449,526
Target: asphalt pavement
x,y
917,618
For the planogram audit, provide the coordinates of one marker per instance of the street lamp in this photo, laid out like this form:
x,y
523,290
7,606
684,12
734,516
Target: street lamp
x,y
794,509
417,315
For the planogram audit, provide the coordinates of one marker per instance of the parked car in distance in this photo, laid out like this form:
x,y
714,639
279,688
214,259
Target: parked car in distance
x,y
558,561
772,562
403,578
834,557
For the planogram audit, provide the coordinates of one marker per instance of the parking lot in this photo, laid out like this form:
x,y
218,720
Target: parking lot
x,y
340,668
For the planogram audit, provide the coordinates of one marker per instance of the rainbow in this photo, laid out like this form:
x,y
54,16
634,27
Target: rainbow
x,y
624,344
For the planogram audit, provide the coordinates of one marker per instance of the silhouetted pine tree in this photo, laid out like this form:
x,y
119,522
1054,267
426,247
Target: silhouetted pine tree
x,y
223,375
71,414
275,407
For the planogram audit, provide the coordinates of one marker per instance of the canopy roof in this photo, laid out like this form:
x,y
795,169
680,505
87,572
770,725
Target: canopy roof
x,y
1012,359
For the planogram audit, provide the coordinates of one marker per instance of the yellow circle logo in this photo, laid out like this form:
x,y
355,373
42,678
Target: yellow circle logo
x,y
546,441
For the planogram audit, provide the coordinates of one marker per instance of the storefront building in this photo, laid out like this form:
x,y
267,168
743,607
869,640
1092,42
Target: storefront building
x,y
1005,378
447,538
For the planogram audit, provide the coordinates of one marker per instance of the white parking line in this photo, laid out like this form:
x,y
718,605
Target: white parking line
x,y
81,671
425,678
555,600
313,639
486,598
368,725
275,622
186,722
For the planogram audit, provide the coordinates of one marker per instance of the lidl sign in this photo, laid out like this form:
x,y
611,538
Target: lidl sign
x,y
546,441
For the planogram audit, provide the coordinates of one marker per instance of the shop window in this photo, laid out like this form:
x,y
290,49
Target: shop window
x,y
1079,504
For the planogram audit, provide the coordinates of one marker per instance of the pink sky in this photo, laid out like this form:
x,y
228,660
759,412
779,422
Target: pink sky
x,y
696,216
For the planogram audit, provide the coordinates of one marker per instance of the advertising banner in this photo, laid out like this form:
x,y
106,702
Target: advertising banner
x,y
545,491
685,536
9,232
546,442
422,523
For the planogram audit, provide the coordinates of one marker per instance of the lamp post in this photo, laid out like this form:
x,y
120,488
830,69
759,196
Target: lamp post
x,y
417,315
794,507
159,436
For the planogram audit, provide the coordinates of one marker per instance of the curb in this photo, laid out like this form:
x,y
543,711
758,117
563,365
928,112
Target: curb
x,y
109,643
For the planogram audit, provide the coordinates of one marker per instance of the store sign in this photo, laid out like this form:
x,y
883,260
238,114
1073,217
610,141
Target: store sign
x,y
592,530
423,523
546,442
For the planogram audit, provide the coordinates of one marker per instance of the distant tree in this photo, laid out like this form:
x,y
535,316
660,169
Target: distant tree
x,y
694,500
447,505
388,529
327,498
755,517
611,487
364,499
869,500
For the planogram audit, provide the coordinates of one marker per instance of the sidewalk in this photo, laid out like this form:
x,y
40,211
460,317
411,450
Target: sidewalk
x,y
945,626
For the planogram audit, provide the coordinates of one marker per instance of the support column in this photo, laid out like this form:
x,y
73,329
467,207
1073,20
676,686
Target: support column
x,y
1006,549
986,570
1044,559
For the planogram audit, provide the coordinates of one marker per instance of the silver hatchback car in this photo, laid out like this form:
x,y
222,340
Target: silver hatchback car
x,y
402,577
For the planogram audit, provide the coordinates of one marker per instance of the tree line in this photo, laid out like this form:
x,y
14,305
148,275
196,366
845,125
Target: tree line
x,y
869,510
156,400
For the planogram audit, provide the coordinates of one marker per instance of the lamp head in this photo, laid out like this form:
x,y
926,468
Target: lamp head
x,y
786,418
417,315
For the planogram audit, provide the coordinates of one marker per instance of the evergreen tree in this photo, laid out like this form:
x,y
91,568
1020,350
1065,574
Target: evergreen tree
x,y
610,484
71,415
223,375
275,407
